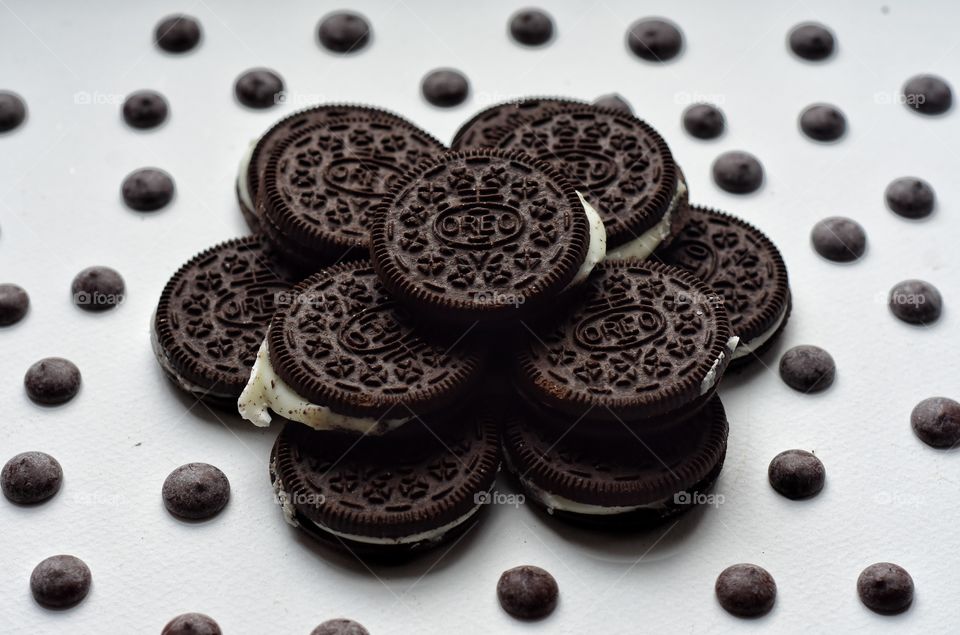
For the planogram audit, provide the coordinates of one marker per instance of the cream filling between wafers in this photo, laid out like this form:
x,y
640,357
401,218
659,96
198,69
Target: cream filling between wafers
x,y
710,378
242,186
597,249
645,244
748,347
266,391
184,384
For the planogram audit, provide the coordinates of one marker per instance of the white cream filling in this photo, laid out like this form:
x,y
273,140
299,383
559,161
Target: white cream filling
x,y
746,348
556,502
431,535
711,377
242,186
184,384
265,391
645,244
289,511
597,249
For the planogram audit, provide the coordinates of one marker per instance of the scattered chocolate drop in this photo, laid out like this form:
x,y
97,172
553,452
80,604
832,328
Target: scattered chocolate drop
x,y
340,627
145,109
927,94
915,302
839,239
738,172
654,39
910,197
258,88
527,592
936,421
531,27
147,189
614,101
14,304
746,590
796,474
31,477
885,588
812,41
445,87
177,33
823,122
52,381
13,110
192,624
703,121
60,581
344,32
97,289
196,491
807,369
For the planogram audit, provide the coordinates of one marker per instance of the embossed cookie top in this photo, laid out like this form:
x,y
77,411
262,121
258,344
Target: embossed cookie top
x,y
483,130
321,184
639,343
480,236
632,470
342,342
739,262
213,313
619,163
382,488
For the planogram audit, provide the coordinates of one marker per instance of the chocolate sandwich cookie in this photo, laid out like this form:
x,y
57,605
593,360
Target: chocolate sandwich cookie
x,y
322,184
387,497
638,480
741,264
645,345
254,161
483,237
618,163
342,354
212,317
487,126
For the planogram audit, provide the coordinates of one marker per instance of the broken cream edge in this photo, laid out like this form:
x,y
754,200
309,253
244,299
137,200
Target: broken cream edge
x,y
710,378
266,391
243,187
597,248
645,244
748,347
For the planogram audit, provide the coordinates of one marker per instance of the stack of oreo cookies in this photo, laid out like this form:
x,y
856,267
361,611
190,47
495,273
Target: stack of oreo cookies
x,y
543,291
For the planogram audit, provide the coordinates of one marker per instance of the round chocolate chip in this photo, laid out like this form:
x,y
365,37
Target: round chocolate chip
x,y
60,581
13,110
613,101
885,588
177,33
796,474
910,197
655,39
258,88
97,289
145,109
839,239
527,592
14,303
738,172
811,41
31,477
937,422
531,27
196,491
915,302
823,122
746,590
340,627
703,121
192,624
927,94
147,189
344,32
52,381
807,369
445,87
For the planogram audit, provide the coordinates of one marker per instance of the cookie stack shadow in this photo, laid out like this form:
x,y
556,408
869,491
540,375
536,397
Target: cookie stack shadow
x,y
541,296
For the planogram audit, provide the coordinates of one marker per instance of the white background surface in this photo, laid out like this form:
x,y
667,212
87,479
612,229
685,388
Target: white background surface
x,y
888,496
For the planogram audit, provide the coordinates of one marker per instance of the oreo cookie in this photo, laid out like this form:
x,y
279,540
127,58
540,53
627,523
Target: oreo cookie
x,y
342,354
740,263
646,344
322,184
383,497
487,126
639,480
483,236
212,317
618,163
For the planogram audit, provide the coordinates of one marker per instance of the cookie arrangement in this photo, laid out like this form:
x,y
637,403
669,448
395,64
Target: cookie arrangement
x,y
540,297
